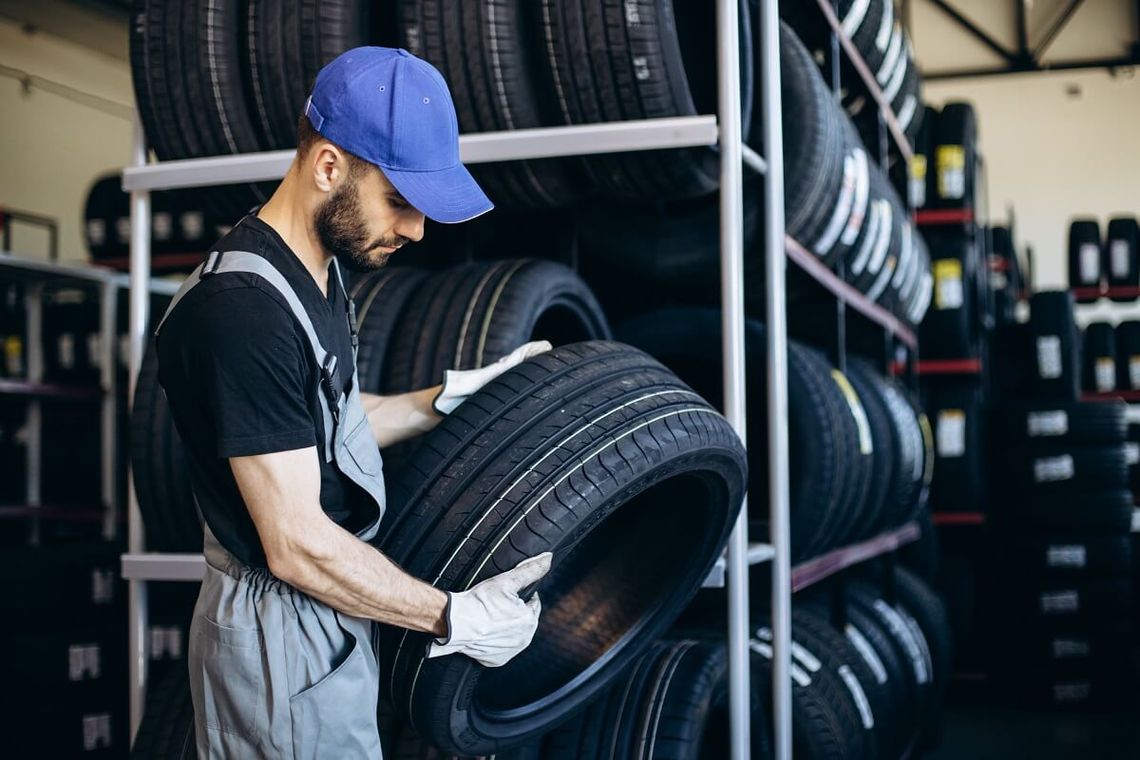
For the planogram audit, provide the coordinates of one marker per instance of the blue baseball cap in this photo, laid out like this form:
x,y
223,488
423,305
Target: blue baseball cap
x,y
393,110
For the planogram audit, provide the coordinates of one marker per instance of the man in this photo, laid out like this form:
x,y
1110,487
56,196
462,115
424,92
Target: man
x,y
256,355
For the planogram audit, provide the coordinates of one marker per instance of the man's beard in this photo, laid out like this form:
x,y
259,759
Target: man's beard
x,y
343,232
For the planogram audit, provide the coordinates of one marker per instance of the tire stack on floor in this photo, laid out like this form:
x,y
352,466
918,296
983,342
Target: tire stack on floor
x,y
956,328
1008,280
1062,519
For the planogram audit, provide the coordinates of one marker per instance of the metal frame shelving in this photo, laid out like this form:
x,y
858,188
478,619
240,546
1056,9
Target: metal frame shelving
x,y
143,177
36,275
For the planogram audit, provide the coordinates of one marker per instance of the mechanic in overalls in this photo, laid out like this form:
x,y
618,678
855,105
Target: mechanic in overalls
x,y
257,359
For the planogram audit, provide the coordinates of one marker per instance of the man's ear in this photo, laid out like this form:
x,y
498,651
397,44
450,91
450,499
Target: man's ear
x,y
329,166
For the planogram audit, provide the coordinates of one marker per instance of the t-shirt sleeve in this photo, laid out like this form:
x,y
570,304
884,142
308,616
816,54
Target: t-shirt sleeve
x,y
250,362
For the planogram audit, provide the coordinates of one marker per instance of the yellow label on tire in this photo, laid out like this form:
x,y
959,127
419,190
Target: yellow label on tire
x,y
949,292
865,444
950,161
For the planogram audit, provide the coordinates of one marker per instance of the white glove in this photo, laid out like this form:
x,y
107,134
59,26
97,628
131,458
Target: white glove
x,y
490,623
458,384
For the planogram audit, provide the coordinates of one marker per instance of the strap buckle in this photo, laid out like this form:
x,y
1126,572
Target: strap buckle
x,y
213,261
331,386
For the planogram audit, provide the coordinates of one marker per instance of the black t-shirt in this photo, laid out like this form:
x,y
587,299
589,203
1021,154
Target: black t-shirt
x,y
239,373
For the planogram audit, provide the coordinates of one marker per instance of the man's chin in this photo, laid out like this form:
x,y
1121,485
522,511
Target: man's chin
x,y
363,262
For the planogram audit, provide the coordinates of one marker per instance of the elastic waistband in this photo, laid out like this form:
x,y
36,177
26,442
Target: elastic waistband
x,y
258,578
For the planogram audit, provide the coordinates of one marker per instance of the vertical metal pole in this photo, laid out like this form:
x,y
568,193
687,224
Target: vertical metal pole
x,y
139,305
34,307
777,368
732,336
109,428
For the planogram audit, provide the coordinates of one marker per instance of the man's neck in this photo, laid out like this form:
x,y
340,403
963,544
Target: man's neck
x,y
288,214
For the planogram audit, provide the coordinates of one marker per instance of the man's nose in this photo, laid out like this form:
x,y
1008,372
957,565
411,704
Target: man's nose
x,y
411,226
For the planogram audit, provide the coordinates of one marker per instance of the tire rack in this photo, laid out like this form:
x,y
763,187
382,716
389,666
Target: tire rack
x,y
690,131
35,274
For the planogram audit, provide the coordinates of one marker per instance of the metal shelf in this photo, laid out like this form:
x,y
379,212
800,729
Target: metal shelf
x,y
814,268
902,144
160,262
958,518
1129,396
757,554
815,570
1128,292
513,145
941,217
949,367
11,387
149,566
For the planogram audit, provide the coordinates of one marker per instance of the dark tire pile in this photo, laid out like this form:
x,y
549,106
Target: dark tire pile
x,y
1063,515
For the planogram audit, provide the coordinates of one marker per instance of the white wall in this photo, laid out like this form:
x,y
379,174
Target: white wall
x,y
71,123
1056,145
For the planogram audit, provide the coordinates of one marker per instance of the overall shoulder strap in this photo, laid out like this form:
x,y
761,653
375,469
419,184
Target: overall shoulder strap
x,y
245,262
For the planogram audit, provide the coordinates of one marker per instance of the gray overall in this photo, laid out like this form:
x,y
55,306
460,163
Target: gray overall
x,y
275,673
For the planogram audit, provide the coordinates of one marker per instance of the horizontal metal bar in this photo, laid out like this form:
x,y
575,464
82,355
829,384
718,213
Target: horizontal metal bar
x,y
716,576
163,567
1093,63
39,269
754,160
513,145
760,553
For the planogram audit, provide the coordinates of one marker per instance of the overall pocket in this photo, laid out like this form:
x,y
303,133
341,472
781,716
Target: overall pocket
x,y
361,446
227,667
336,716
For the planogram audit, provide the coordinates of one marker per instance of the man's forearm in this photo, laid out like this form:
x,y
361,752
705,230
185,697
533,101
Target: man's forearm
x,y
402,416
351,576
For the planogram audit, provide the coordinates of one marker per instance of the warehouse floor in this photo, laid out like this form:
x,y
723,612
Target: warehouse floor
x,y
995,731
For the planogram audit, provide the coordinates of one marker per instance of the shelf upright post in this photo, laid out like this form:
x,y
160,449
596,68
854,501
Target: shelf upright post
x,y
34,309
777,369
139,318
108,292
732,337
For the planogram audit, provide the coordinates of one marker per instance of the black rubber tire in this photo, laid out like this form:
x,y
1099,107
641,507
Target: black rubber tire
x,y
614,60
825,722
955,157
156,60
1121,253
1055,341
911,646
1098,357
1100,511
493,57
1099,423
1085,260
672,706
379,299
1128,355
1069,470
923,556
868,384
958,415
459,514
669,245
820,439
160,469
952,329
814,142
471,315
167,728
1072,554
929,612
921,170
869,697
1056,602
915,457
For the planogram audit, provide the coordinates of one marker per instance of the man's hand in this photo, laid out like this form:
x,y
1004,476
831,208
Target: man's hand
x,y
459,384
490,623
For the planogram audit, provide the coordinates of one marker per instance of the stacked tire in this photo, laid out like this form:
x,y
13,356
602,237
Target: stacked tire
x,y
1064,529
1099,358
182,221
1007,278
1127,344
1098,265
858,447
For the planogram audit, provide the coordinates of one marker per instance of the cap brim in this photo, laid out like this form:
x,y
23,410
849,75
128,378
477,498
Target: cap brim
x,y
448,196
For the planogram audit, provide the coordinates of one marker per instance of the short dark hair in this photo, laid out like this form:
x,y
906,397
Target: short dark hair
x,y
307,137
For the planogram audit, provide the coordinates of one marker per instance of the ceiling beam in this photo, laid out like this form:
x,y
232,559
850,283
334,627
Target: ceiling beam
x,y
1092,63
974,29
1052,32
